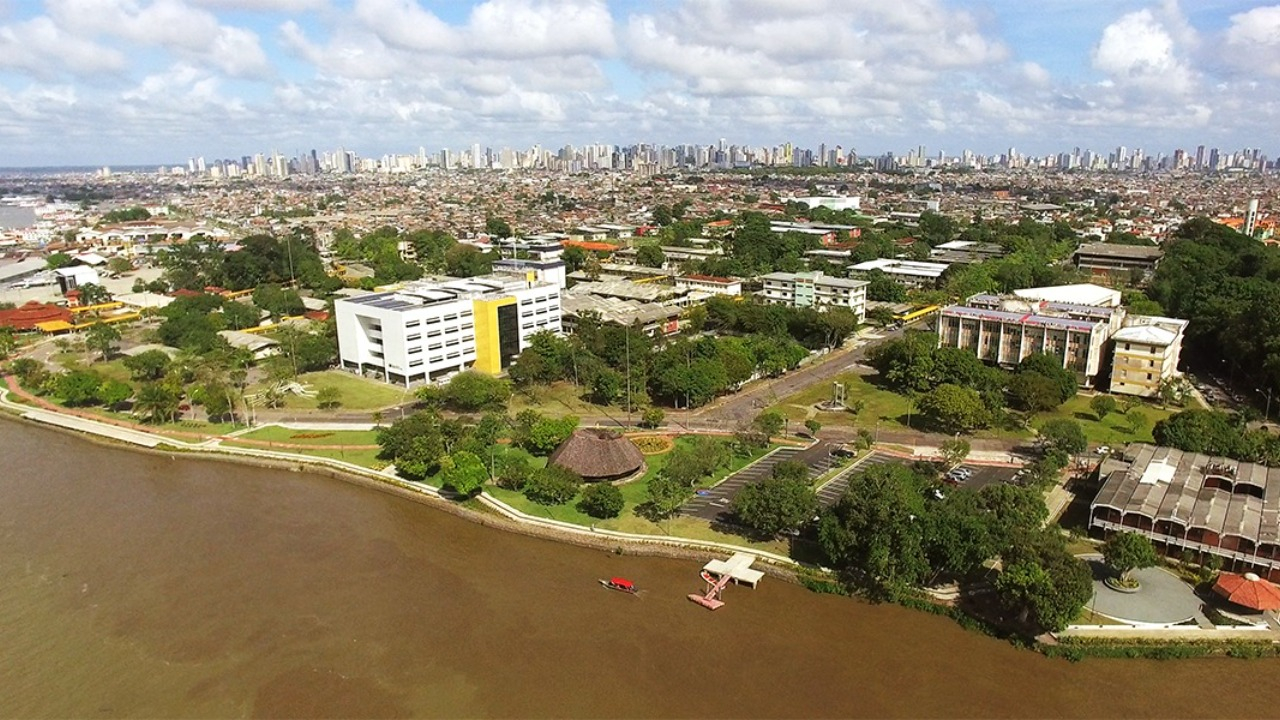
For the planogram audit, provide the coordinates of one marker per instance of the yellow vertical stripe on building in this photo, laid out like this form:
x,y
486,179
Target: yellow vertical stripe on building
x,y
488,347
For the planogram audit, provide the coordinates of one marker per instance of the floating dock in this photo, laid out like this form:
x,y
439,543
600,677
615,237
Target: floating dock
x,y
719,573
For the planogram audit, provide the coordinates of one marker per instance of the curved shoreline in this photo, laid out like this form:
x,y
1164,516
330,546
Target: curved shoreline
x,y
661,546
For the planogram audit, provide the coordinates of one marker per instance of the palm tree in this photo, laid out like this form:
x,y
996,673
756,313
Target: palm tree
x,y
156,402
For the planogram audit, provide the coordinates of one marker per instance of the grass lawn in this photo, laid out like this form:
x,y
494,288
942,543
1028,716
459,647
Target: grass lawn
x,y
560,399
355,392
1111,430
364,458
635,493
112,369
883,406
274,433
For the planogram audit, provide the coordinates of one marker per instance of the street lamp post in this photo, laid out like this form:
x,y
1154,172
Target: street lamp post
x,y
1267,415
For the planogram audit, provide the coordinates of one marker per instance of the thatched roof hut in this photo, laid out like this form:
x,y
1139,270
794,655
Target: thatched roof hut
x,y
598,455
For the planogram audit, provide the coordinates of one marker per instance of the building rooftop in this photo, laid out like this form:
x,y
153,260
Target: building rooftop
x,y
1194,490
1024,318
1078,294
817,278
902,267
1114,250
1146,334
424,293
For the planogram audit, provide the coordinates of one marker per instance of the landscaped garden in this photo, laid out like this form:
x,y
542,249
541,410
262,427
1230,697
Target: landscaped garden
x,y
352,392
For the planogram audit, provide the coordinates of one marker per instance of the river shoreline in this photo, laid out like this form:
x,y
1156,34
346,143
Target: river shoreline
x,y
664,547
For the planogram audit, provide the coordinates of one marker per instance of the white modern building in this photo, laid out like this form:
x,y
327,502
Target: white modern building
x,y
710,284
429,330
815,289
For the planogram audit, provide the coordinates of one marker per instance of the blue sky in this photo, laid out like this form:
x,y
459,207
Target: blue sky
x,y
157,81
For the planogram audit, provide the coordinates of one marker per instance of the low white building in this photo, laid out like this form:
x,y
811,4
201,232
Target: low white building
x,y
815,289
911,273
710,284
429,330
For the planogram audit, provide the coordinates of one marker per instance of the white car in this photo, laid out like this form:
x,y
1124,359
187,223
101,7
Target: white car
x,y
1104,450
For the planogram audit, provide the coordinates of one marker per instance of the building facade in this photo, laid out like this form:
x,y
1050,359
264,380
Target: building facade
x,y
1147,351
814,289
1101,343
429,330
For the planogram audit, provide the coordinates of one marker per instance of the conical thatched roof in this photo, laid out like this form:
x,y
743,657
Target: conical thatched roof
x,y
598,455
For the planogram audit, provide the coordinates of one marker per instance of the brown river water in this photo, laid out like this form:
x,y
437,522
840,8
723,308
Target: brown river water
x,y
140,585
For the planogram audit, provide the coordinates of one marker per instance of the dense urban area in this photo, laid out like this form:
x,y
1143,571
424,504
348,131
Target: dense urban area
x,y
1005,388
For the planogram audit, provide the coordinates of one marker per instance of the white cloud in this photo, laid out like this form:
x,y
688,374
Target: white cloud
x,y
1253,41
39,47
267,5
1139,51
186,31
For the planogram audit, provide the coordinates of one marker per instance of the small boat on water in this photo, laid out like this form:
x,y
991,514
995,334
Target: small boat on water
x,y
620,584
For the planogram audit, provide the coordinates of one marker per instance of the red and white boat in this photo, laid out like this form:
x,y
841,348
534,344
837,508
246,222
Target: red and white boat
x,y
620,584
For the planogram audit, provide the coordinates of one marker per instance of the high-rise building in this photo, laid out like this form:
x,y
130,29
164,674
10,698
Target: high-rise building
x,y
1251,217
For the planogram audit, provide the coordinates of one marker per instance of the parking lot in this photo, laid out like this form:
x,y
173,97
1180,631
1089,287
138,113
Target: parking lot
x,y
834,488
712,503
984,475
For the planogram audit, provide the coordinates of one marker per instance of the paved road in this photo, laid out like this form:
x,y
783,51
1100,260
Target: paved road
x,y
740,408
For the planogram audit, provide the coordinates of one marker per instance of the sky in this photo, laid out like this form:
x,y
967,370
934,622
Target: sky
x,y
92,82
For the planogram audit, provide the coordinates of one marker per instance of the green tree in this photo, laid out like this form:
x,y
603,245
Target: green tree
x,y
602,500
666,494
78,387
148,365
652,418
93,294
278,301
8,343
882,288
239,315
1042,583
157,402
1050,367
102,337
954,451
498,227
415,444
953,409
552,485
1034,392
463,473
1064,435
813,426
651,256
514,469
473,390
875,533
1127,551
1102,406
58,260
113,392
770,422
328,397
545,434
119,266
1136,420
467,261
778,503
906,364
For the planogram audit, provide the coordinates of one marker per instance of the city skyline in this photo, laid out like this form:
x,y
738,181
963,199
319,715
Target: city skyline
x,y
136,82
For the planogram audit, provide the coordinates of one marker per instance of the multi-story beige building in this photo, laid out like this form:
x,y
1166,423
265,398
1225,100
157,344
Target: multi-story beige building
x,y
1003,330
1146,354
